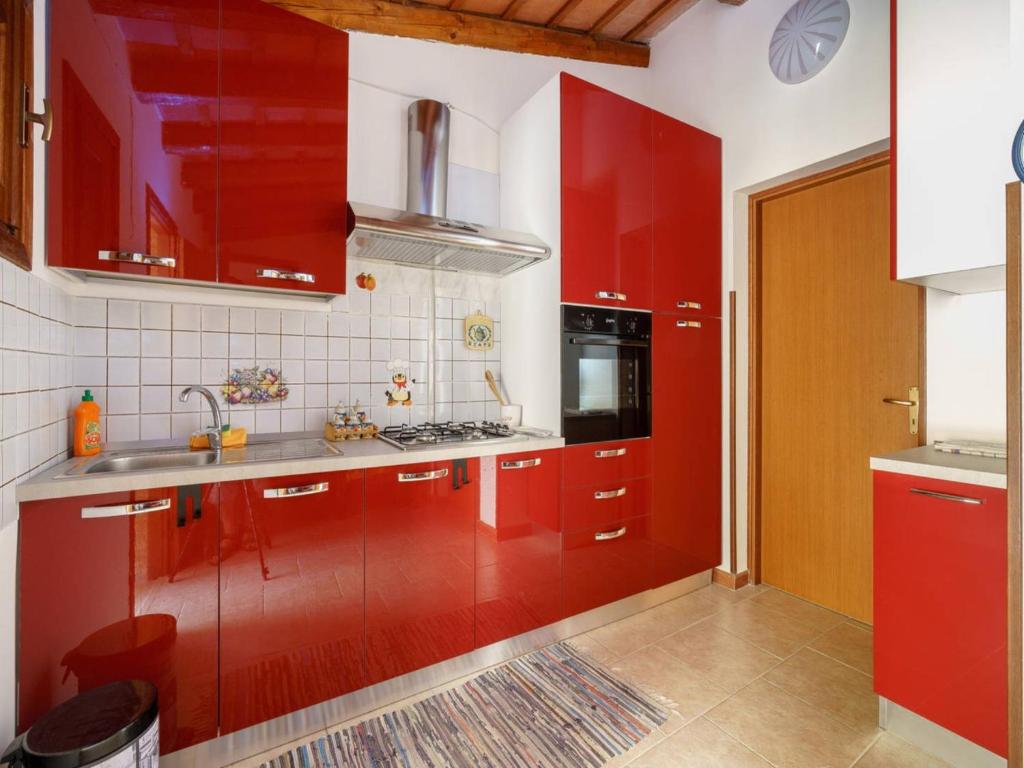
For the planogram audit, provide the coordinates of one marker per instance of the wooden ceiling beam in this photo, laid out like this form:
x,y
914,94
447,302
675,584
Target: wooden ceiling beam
x,y
429,22
510,10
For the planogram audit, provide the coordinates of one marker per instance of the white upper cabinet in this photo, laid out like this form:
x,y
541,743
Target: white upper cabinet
x,y
957,107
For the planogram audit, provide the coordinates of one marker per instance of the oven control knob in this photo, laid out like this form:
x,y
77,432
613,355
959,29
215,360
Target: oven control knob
x,y
631,325
588,322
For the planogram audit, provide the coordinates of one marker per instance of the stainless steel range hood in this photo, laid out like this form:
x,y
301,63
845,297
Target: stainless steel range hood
x,y
422,235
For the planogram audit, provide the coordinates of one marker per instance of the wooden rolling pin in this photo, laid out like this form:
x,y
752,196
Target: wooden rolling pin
x,y
494,387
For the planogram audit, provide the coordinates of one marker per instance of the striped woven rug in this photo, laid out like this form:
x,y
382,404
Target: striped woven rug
x,y
553,707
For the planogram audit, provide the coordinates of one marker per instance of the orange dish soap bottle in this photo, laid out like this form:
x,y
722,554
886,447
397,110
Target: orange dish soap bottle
x,y
87,426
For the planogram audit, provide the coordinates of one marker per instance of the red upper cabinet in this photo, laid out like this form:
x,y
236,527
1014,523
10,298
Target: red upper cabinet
x,y
291,594
283,150
132,165
118,586
940,603
687,219
687,394
519,547
420,544
607,207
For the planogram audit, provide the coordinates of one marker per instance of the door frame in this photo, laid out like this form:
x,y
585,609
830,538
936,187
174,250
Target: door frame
x,y
755,205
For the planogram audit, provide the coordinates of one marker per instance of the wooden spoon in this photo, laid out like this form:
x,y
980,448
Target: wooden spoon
x,y
494,387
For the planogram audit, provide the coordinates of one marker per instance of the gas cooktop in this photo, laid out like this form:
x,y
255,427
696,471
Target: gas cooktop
x,y
429,434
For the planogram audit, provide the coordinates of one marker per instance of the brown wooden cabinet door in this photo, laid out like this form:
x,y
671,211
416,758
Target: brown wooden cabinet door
x,y
15,160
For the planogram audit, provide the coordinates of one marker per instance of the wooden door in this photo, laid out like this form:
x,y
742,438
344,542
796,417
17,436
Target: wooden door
x,y
834,336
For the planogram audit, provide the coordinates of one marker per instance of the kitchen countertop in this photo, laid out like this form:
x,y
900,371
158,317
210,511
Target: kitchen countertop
x,y
55,483
925,461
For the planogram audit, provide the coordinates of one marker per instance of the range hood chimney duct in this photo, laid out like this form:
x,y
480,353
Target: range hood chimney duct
x,y
427,187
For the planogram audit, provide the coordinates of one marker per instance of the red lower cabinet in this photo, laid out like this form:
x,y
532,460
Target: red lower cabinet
x,y
420,543
519,545
291,597
607,564
116,586
687,436
940,603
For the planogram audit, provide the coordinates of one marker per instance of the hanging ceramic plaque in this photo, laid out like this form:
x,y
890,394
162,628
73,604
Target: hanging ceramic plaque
x,y
479,332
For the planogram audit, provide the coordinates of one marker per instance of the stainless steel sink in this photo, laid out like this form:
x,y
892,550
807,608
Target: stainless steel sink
x,y
153,461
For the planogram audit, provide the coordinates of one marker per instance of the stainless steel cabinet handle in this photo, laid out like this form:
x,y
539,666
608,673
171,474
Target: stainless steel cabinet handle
x,y
610,494
521,464
684,304
608,535
689,324
123,510
278,274
947,496
614,295
131,257
296,490
610,453
417,477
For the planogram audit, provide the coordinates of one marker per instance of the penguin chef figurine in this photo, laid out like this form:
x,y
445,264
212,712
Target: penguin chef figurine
x,y
400,393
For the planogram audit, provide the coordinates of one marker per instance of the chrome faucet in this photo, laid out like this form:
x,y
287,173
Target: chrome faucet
x,y
214,434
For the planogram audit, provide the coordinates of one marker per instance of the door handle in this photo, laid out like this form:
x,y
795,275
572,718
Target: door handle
x,y
123,510
44,118
947,496
521,464
131,257
296,490
609,535
610,494
609,453
419,477
613,295
279,274
913,403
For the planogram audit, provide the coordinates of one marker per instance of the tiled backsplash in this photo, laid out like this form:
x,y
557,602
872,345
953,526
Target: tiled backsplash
x,y
35,379
137,356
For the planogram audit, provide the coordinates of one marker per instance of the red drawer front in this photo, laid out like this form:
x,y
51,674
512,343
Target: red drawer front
x,y
604,504
599,570
607,462
940,603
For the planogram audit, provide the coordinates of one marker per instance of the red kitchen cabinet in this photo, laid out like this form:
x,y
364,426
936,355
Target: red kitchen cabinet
x,y
940,603
687,239
420,545
519,550
116,586
291,596
592,463
606,564
283,150
132,164
591,506
607,205
687,436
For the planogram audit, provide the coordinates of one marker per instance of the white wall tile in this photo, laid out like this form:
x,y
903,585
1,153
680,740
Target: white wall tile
x,y
122,428
359,326
293,322
155,426
184,371
91,312
156,315
185,317
123,371
359,303
122,400
268,345
316,371
337,324
293,420
337,349
268,420
185,344
155,370
316,324
156,399
214,345
90,371
268,321
156,343
215,319
122,314
242,345
90,341
243,320
122,343
316,348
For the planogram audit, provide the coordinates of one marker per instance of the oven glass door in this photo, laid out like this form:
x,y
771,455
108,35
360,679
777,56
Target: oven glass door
x,y
605,388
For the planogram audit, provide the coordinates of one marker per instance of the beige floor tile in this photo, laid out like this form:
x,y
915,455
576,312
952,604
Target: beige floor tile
x,y
593,648
850,643
660,674
626,636
831,686
788,732
701,744
893,752
725,596
627,759
723,658
800,610
257,760
765,627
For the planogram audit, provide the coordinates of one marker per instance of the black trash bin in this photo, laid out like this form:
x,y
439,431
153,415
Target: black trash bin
x,y
113,726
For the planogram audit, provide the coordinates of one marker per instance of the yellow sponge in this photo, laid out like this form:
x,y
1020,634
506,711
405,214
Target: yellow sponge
x,y
230,438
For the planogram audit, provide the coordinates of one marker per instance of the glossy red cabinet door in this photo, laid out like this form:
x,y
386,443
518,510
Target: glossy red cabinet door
x,y
283,158
291,594
519,546
687,219
607,206
686,428
607,564
940,603
116,586
420,544
131,168
593,463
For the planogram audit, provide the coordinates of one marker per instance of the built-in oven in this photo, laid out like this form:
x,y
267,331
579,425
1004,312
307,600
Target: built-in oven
x,y
606,374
